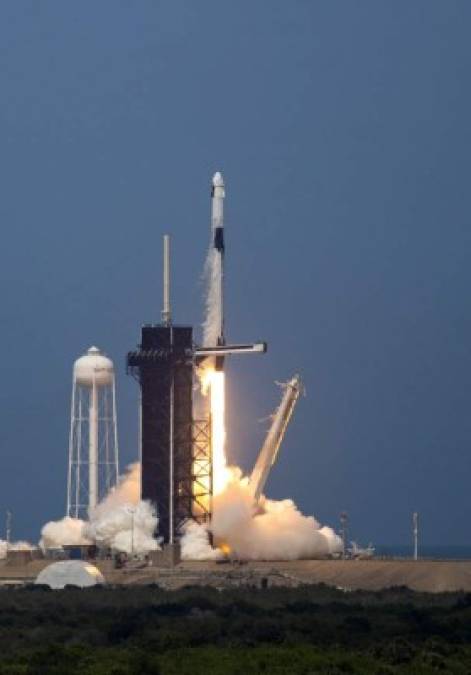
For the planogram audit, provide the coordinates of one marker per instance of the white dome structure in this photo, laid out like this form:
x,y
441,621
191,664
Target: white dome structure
x,y
70,573
93,368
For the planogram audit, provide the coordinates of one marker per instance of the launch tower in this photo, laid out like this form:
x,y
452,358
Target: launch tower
x,y
175,450
163,365
176,457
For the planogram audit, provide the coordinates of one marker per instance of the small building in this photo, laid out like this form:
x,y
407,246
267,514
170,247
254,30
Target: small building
x,y
80,551
22,556
168,556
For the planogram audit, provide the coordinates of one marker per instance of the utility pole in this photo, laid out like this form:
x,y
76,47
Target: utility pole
x,y
133,511
415,532
343,532
8,528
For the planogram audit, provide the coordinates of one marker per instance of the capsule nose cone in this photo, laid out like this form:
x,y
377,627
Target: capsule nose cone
x,y
218,180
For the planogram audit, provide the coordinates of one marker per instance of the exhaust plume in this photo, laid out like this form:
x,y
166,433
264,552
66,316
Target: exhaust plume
x,y
65,532
121,521
276,530
271,530
195,543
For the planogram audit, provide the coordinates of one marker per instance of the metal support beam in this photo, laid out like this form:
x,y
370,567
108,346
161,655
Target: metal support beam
x,y
226,350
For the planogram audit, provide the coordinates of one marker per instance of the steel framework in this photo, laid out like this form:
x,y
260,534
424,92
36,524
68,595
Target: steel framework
x,y
84,401
163,365
202,478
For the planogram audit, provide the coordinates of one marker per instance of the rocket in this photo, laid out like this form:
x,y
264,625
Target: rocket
x,y
214,339
217,231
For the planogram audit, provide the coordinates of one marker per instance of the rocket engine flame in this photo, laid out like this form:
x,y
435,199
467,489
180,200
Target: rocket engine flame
x,y
218,430
213,385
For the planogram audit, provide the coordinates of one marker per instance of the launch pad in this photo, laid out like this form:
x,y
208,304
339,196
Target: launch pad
x,y
431,576
175,449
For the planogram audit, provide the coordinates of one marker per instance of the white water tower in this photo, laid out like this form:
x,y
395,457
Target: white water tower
x,y
93,441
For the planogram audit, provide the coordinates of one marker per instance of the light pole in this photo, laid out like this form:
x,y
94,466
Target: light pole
x,y
415,532
8,528
343,531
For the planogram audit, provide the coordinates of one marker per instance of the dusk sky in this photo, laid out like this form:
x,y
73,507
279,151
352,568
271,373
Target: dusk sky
x,y
342,129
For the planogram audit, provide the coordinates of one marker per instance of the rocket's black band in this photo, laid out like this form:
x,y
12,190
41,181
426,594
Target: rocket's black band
x,y
219,239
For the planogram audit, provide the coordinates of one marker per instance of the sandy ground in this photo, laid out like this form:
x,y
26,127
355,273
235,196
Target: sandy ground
x,y
423,575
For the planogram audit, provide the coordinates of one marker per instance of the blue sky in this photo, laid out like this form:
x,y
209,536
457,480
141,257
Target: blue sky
x,y
342,130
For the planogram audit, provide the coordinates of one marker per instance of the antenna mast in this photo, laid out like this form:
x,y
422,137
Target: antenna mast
x,y
166,312
343,532
8,528
415,531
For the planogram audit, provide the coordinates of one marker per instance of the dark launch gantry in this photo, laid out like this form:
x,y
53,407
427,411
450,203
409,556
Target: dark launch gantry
x,y
163,365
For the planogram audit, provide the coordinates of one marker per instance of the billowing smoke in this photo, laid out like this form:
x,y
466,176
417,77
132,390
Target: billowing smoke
x,y
195,543
64,532
121,521
272,530
3,549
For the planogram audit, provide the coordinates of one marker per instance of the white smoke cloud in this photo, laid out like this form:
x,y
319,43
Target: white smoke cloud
x,y
275,530
3,549
127,491
121,521
128,528
64,532
195,543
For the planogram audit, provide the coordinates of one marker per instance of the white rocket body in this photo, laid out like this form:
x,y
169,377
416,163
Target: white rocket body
x,y
217,236
269,451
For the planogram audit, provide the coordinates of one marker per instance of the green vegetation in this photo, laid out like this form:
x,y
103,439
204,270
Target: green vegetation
x,y
144,630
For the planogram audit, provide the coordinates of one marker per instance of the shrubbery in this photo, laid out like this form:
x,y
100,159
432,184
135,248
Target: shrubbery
x,y
315,629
